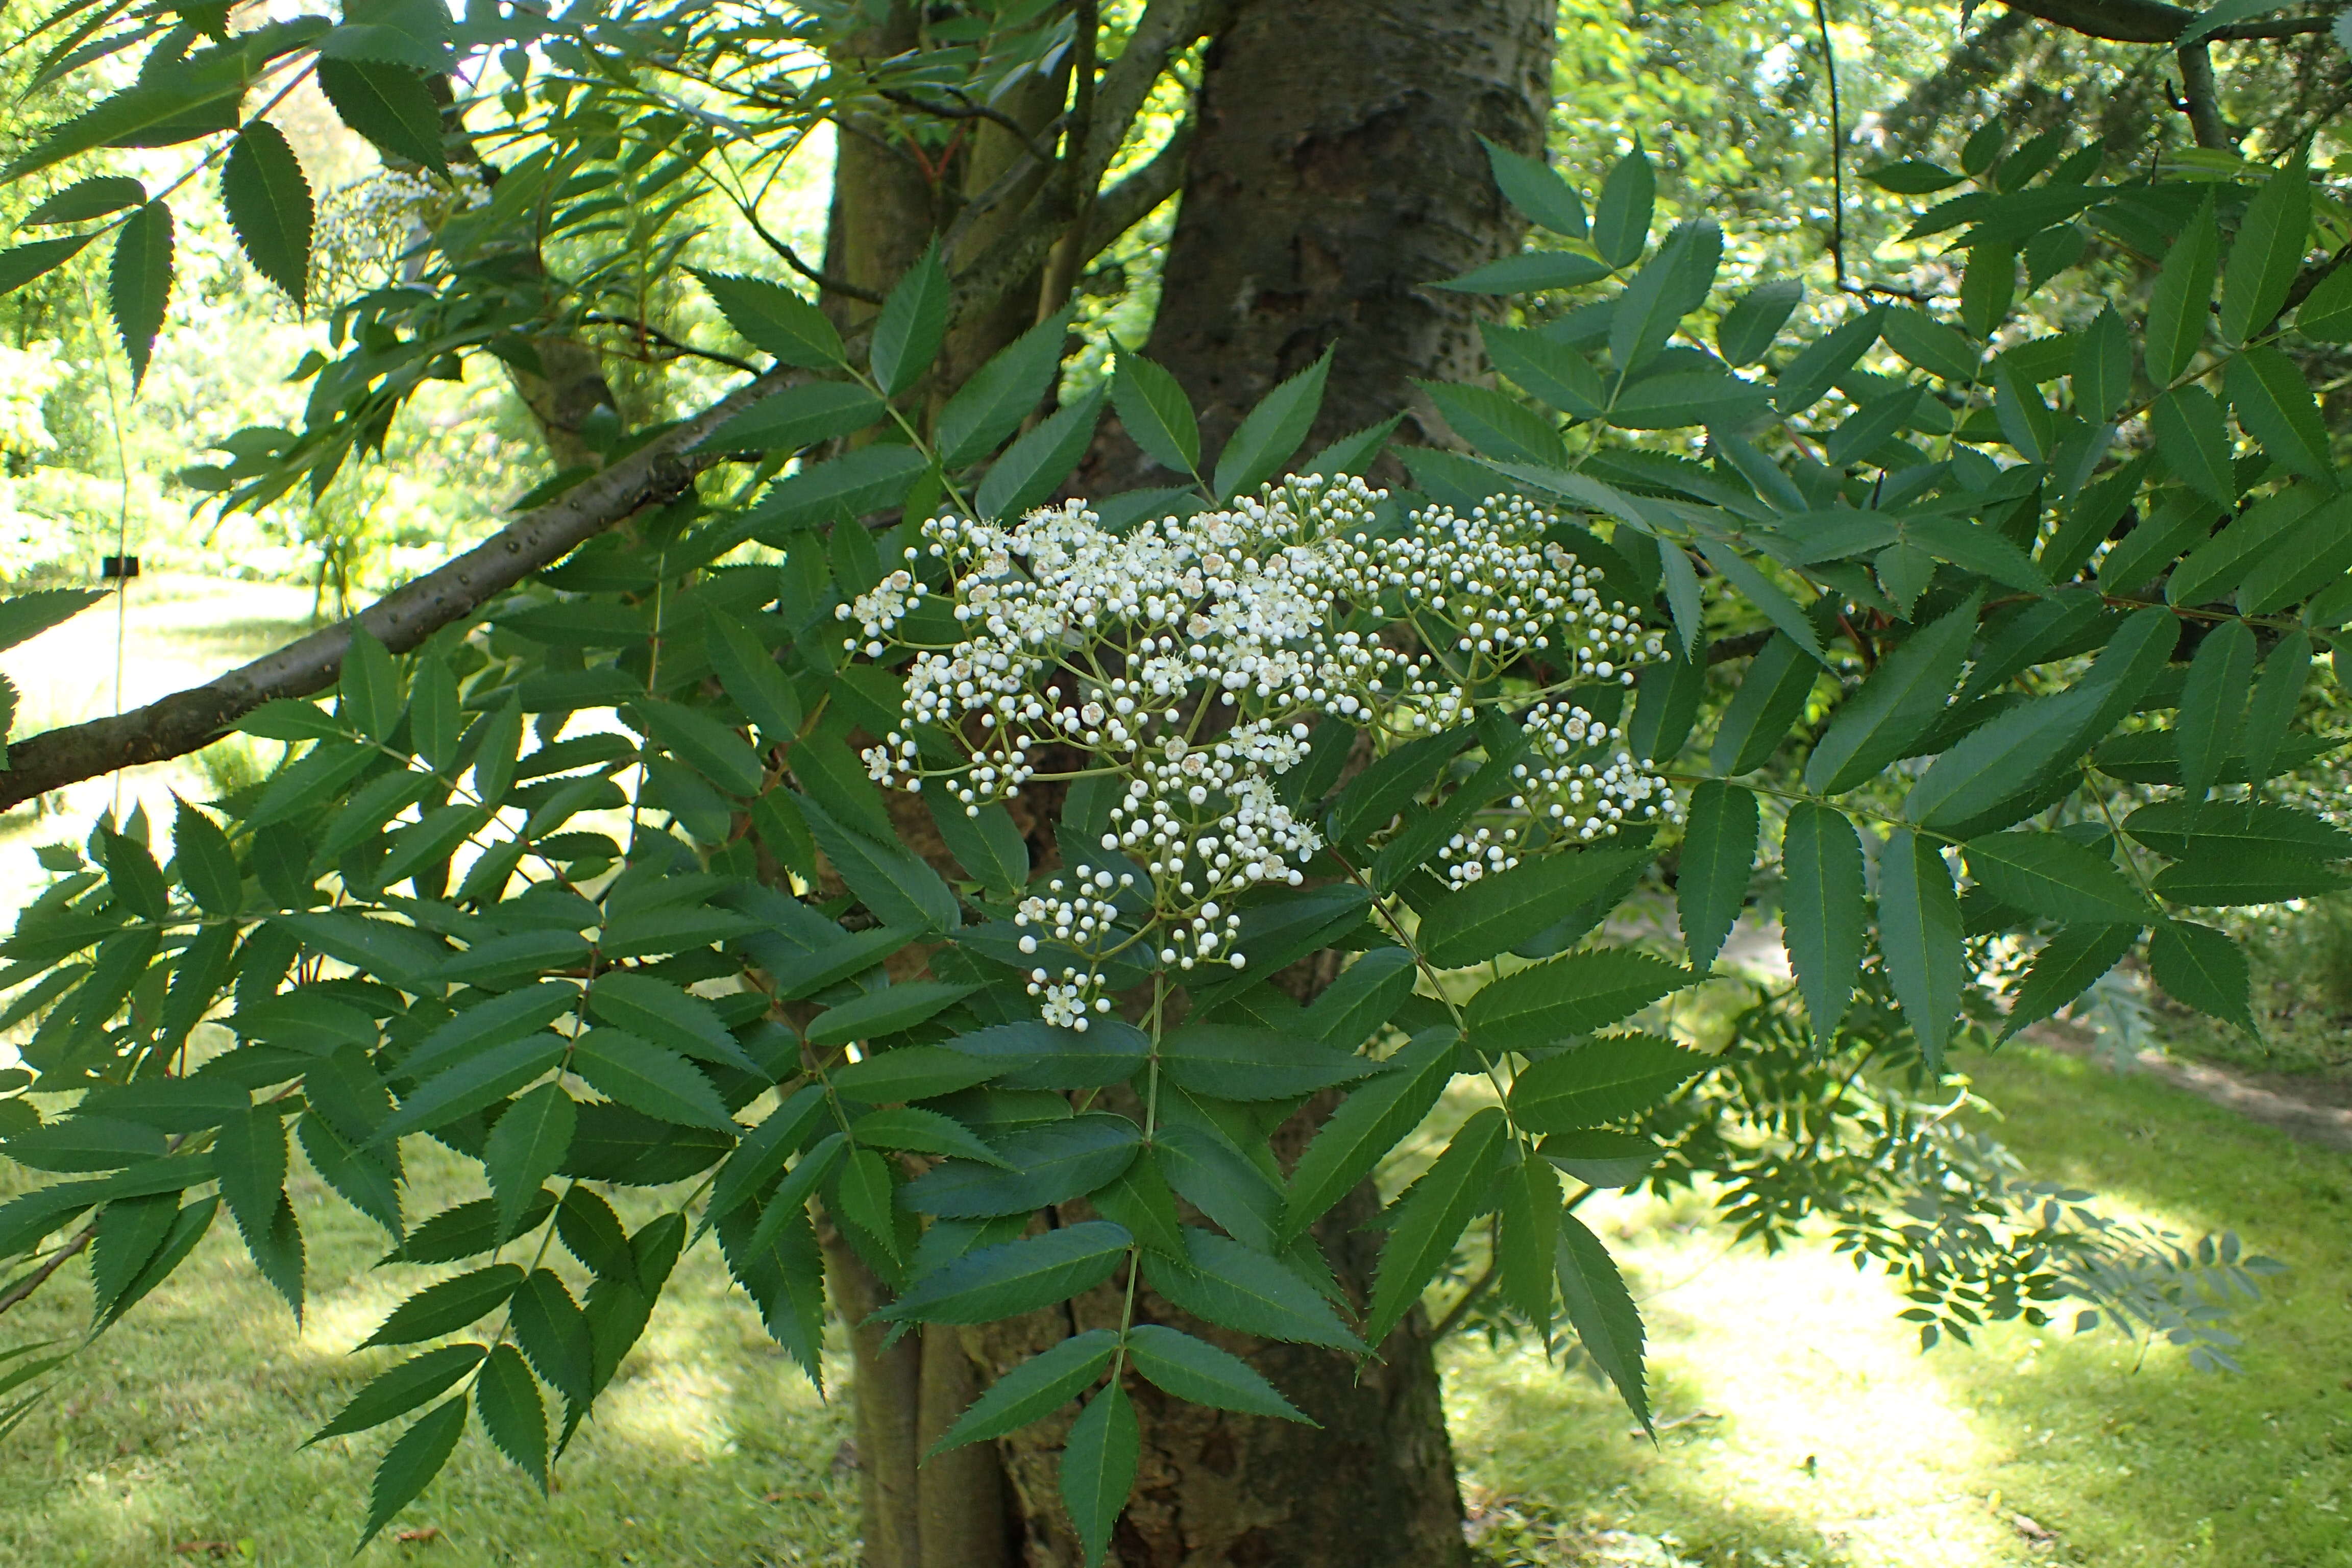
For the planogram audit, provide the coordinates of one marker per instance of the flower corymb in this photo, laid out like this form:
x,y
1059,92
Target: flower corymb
x,y
1191,662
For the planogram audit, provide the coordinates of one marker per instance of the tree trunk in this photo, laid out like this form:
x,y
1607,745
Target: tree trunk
x,y
1335,173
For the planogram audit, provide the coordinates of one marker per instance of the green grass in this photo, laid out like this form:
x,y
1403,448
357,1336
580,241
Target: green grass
x,y
1828,1439
1805,1427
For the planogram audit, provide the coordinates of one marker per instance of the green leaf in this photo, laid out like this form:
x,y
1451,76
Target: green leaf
x,y
986,842
21,264
362,1179
1605,1079
774,321
1099,1464
1821,365
1770,699
448,1305
1199,1372
526,1147
1271,432
1538,192
1603,1312
1354,1007
913,1072
388,104
1600,1158
1504,911
1373,1120
1559,377
2267,252
139,283
187,1229
132,877
480,1080
1919,932
1621,218
1746,333
912,325
1902,699
1015,1276
250,1157
750,675
1653,302
2213,701
1765,596
1050,1163
2194,442
1353,453
1427,1219
2103,366
1241,1064
996,397
411,1463
884,1012
710,747
2246,876
2205,969
2051,875
24,617
1142,1200
401,1390
2272,712
925,1131
491,1022
1718,854
1529,1240
2216,830
162,111
1912,178
658,1011
1155,413
2065,968
645,1077
507,1400
1527,273
1546,1004
126,1234
268,205
2274,405
797,416
2325,316
96,196
898,888
1036,466
1033,1390
2178,304
1230,1286
867,479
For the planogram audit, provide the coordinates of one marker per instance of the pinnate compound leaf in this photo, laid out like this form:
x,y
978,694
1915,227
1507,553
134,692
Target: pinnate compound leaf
x,y
796,417
1271,432
99,194
401,1390
2176,306
2275,405
1746,333
1240,1064
1896,706
2213,702
1035,1388
1015,1276
1621,218
1603,1312
1098,1464
1575,994
1605,1079
388,104
1425,1222
2065,968
991,404
410,1464
2204,968
507,1400
525,1148
901,890
1718,854
1050,1163
1198,1372
2276,697
1919,932
2267,252
1223,1282
551,1331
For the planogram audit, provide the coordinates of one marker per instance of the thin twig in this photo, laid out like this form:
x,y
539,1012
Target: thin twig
x,y
39,1276
968,109
2200,101
791,259
655,334
1461,1309
1837,146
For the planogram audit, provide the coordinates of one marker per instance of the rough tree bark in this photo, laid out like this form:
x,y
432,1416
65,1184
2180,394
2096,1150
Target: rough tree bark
x,y
1335,172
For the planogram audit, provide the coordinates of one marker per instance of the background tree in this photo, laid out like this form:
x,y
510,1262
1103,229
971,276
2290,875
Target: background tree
x,y
952,342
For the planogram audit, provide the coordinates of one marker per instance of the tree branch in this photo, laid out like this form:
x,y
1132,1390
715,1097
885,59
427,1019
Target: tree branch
x,y
968,109
189,721
1127,202
2200,101
2155,22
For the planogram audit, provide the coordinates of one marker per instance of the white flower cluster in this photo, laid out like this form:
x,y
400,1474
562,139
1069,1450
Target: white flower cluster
x,y
1187,659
